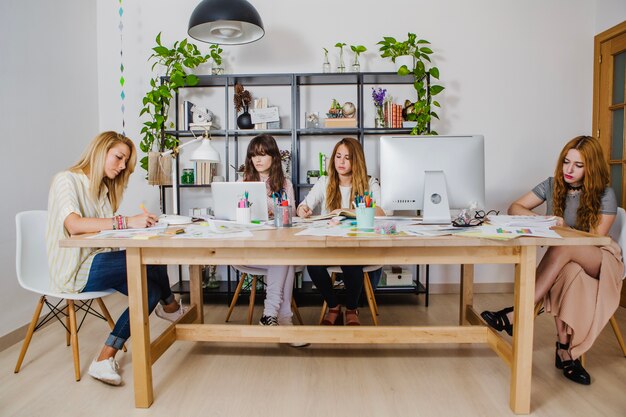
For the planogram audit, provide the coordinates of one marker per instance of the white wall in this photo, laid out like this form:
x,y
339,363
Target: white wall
x,y
608,14
49,108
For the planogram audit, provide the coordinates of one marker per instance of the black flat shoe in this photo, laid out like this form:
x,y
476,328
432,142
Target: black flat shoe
x,y
498,320
572,369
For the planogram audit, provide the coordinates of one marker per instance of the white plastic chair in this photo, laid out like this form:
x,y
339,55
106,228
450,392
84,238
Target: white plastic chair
x,y
255,273
367,285
31,265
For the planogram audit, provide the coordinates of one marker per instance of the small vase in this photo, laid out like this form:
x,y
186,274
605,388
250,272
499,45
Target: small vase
x,y
217,69
286,167
326,64
209,280
379,122
356,66
341,67
244,121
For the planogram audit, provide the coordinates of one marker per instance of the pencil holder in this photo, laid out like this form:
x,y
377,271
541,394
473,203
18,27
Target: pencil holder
x,y
243,215
283,216
365,218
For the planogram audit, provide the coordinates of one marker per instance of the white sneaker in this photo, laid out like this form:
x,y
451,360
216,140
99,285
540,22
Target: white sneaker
x,y
106,370
288,321
170,316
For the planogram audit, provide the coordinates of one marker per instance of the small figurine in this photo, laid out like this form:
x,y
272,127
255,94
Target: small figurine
x,y
349,110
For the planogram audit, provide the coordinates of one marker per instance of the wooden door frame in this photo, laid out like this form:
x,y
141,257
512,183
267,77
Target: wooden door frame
x,y
598,41
604,137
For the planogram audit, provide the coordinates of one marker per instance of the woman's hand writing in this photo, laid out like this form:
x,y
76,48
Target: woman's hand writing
x,y
304,211
142,220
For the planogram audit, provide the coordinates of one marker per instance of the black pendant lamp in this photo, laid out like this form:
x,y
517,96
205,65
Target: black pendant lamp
x,y
225,22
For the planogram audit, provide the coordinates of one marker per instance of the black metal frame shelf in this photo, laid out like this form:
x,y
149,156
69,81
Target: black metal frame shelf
x,y
293,81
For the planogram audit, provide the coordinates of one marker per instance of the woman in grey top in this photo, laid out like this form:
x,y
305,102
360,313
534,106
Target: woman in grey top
x,y
579,196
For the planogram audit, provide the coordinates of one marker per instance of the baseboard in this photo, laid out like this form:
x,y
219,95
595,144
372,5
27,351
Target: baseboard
x,y
479,288
13,337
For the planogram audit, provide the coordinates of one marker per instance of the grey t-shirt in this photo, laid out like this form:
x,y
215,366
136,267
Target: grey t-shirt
x,y
545,190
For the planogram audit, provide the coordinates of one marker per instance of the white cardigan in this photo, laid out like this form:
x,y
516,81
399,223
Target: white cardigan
x,y
317,195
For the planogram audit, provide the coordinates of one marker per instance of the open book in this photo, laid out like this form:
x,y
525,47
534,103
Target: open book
x,y
522,221
345,213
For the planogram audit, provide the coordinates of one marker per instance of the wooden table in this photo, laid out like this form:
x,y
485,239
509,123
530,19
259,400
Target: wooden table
x,y
281,246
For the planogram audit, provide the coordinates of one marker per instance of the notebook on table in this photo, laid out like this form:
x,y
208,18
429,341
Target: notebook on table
x,y
226,195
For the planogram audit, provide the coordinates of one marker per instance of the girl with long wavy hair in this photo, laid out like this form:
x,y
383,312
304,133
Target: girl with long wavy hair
x,y
347,178
574,282
84,199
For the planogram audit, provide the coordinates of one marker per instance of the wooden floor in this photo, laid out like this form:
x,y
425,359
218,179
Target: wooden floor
x,y
202,379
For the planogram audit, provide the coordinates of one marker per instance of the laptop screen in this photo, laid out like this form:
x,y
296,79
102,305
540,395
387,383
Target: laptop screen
x,y
226,195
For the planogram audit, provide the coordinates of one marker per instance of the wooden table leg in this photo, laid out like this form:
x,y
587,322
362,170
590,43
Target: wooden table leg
x,y
139,327
523,325
195,291
467,292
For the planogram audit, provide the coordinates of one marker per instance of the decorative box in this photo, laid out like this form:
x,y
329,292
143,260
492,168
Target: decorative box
x,y
404,278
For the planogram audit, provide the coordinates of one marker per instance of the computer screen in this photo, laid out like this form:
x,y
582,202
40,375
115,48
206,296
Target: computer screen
x,y
432,174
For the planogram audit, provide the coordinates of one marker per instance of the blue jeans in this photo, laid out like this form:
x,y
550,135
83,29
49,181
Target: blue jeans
x,y
108,270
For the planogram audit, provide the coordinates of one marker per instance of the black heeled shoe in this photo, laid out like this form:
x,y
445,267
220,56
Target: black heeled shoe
x,y
572,368
498,320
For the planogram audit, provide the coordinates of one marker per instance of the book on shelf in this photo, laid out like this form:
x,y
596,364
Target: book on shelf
x,y
260,103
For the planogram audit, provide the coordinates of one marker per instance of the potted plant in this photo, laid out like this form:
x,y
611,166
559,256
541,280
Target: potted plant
x,y
358,50
399,52
341,67
216,55
422,71
176,61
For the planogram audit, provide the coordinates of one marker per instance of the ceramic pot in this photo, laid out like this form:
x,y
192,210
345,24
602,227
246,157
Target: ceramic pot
x,y
404,60
244,121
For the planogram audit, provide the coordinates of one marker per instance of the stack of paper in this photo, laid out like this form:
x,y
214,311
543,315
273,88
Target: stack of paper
x,y
522,221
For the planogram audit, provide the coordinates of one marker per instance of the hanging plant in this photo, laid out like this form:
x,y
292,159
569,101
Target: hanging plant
x,y
421,111
175,62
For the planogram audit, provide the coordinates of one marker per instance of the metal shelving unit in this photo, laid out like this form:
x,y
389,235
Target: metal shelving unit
x,y
293,81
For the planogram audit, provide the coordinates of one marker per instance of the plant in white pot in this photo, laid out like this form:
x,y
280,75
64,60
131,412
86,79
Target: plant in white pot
x,y
419,65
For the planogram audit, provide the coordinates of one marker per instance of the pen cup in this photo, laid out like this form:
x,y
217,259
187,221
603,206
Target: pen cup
x,y
243,215
283,216
365,218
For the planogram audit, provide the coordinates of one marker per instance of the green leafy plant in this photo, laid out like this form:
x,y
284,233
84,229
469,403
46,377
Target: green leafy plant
x,y
340,66
423,72
358,50
182,56
216,53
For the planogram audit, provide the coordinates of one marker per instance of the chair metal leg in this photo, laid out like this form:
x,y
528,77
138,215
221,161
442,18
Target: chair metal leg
x,y
107,316
252,297
296,312
29,332
74,338
235,297
67,324
618,334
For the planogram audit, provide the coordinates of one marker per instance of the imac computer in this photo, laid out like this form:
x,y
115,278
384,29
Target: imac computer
x,y
432,174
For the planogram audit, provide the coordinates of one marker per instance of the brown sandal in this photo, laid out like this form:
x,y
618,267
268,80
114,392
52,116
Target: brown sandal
x,y
333,316
352,317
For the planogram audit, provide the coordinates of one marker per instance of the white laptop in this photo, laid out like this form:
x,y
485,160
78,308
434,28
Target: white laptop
x,y
226,195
